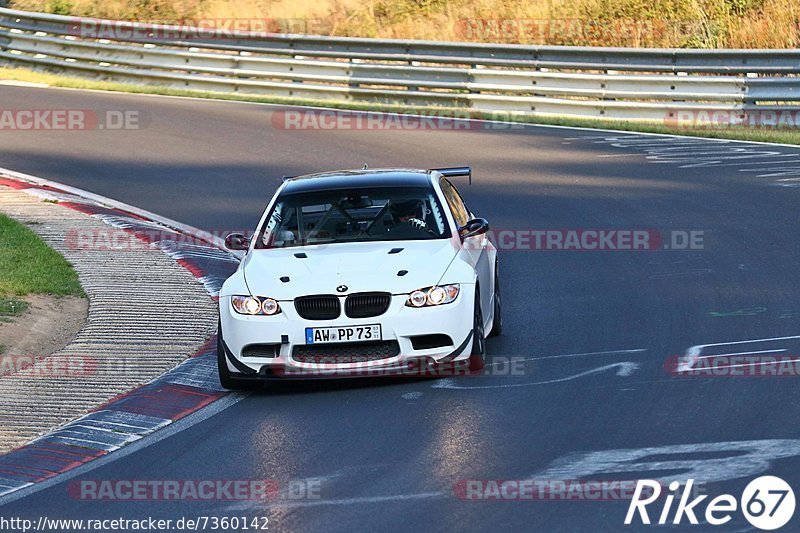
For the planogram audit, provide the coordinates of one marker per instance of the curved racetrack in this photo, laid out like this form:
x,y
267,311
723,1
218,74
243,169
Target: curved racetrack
x,y
595,328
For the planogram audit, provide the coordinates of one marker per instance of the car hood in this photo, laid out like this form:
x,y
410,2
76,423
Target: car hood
x,y
362,267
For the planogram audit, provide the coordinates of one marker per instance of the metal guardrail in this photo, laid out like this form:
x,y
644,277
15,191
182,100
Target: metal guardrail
x,y
619,83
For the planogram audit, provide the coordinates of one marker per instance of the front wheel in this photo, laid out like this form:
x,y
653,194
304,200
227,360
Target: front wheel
x,y
477,359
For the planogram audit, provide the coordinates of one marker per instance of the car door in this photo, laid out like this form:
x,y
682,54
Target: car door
x,y
475,248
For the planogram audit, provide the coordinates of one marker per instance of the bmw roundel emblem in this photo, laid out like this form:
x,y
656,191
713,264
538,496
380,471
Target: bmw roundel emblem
x,y
341,288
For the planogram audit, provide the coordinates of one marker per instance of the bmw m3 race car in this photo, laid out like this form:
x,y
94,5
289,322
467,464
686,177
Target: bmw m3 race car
x,y
360,272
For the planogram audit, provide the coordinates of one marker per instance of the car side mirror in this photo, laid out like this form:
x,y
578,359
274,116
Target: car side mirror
x,y
237,241
476,226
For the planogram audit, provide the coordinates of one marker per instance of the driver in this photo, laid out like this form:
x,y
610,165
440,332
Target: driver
x,y
407,214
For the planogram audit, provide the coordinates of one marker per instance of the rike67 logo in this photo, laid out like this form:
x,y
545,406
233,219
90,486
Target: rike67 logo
x,y
767,503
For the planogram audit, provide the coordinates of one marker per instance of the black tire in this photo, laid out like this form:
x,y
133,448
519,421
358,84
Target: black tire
x,y
226,378
477,358
497,324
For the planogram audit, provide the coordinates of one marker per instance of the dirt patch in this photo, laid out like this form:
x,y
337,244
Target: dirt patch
x,y
48,325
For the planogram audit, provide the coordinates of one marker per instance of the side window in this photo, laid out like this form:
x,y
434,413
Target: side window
x,y
460,211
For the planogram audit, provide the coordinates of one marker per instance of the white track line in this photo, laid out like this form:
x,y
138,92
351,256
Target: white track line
x,y
739,353
691,356
625,369
759,363
288,504
610,352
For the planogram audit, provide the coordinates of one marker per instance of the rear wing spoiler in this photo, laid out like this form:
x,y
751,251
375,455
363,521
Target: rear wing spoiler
x,y
455,172
448,172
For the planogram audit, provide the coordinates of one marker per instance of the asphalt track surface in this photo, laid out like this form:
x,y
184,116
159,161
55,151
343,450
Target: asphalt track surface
x,y
595,328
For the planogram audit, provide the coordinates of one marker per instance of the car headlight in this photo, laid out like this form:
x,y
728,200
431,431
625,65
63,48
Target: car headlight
x,y
253,305
432,296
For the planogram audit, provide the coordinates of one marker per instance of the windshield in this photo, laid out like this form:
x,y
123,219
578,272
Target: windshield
x,y
377,214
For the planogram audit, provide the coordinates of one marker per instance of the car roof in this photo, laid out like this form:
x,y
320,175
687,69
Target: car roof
x,y
357,179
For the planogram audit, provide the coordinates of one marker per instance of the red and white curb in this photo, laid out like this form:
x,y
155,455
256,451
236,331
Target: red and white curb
x,y
133,415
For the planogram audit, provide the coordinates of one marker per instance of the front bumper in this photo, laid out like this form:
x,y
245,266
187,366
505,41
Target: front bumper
x,y
287,330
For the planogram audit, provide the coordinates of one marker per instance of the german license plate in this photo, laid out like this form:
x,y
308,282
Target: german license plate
x,y
368,332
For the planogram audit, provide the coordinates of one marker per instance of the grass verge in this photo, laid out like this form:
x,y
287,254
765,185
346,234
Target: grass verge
x,y
775,135
29,266
638,23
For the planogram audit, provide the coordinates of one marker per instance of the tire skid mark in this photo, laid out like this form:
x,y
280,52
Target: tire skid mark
x,y
772,161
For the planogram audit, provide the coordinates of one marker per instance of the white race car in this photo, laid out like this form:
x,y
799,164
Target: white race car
x,y
360,273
